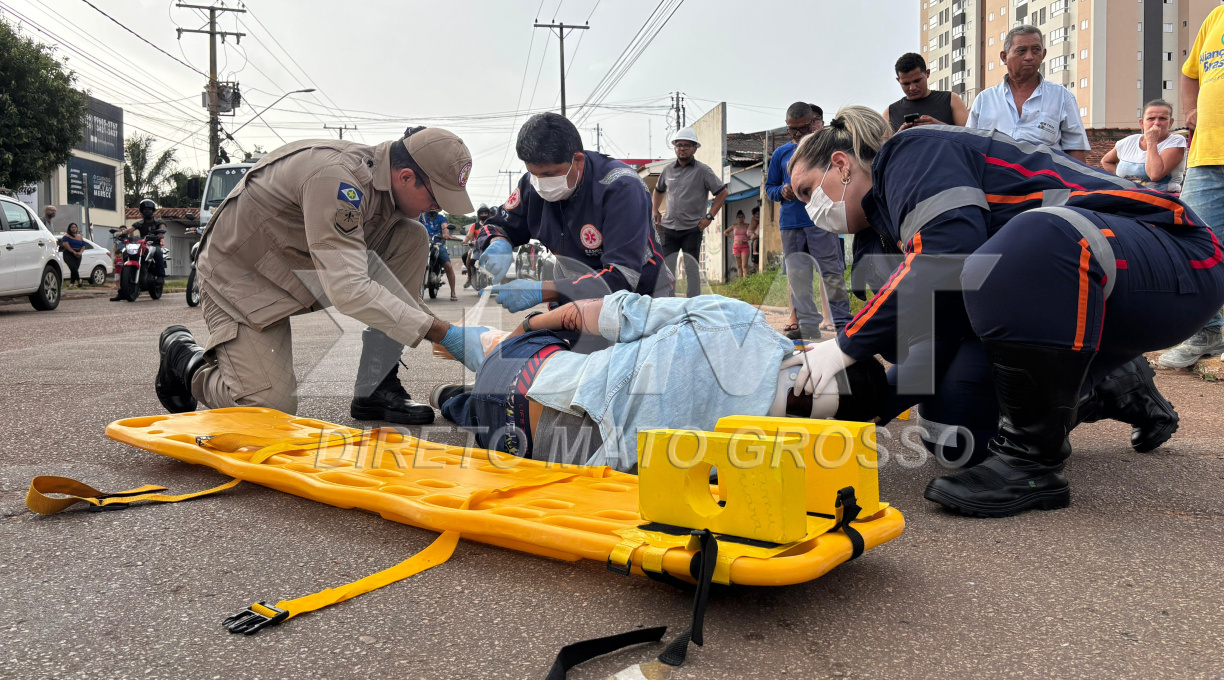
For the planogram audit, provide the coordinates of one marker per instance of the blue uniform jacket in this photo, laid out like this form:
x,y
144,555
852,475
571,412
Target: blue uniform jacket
x,y
942,191
794,212
602,235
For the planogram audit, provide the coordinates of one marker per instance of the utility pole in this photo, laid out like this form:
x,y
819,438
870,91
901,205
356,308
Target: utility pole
x,y
678,108
214,103
561,35
510,175
597,139
341,128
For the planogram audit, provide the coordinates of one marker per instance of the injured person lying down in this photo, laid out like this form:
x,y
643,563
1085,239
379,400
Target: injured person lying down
x,y
678,363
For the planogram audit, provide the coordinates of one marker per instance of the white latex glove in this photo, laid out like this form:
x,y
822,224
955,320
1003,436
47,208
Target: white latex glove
x,y
820,365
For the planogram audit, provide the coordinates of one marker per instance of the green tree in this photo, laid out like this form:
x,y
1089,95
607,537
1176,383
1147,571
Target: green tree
x,y
143,175
175,195
41,112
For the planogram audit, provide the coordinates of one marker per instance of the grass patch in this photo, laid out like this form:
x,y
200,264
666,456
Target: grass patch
x,y
767,288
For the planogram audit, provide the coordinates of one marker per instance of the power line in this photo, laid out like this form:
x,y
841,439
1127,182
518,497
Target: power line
x,y
142,38
334,105
522,85
89,59
654,23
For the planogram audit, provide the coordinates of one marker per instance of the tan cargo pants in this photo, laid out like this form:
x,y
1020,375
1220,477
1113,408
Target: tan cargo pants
x,y
248,367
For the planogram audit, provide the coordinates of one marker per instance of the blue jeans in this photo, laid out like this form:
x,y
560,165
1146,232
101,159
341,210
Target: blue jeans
x,y
1203,191
809,251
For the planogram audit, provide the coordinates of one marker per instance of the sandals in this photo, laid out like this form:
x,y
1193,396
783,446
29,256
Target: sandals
x,y
790,327
454,298
828,327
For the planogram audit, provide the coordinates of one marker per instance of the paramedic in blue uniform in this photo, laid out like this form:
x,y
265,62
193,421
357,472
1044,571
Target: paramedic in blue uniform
x,y
1067,272
591,211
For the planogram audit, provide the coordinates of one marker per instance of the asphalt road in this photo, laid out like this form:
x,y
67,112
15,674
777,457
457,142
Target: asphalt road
x,y
1125,583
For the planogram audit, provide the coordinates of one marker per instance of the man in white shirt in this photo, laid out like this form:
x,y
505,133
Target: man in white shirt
x,y
1025,105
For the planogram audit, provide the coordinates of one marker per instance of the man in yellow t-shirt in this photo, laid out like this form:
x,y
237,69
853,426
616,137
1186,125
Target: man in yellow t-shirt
x,y
1201,86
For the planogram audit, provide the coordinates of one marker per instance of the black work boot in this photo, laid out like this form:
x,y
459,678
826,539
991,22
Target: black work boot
x,y
180,358
1129,394
378,394
1038,390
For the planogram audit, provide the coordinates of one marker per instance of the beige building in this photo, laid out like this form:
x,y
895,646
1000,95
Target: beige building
x,y
1113,55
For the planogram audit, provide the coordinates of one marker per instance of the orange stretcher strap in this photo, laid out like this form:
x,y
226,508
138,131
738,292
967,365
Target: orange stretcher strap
x,y
262,615
75,492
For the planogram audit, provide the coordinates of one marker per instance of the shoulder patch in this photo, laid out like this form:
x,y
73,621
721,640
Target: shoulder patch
x,y
347,219
514,200
350,194
591,238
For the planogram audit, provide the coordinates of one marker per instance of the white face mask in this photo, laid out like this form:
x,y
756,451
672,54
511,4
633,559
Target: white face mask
x,y
826,213
553,189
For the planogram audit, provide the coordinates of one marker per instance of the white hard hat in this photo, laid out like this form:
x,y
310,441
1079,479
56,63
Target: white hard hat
x,y
686,135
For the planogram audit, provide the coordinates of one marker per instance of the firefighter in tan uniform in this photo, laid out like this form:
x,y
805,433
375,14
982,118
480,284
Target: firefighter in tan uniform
x,y
313,224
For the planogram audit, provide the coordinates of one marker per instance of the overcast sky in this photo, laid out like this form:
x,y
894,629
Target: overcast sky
x,y
381,64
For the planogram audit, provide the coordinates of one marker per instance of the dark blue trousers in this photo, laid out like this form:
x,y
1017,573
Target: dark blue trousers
x,y
1037,281
494,410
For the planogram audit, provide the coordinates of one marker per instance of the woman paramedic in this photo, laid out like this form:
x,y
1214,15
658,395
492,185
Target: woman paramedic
x,y
1063,271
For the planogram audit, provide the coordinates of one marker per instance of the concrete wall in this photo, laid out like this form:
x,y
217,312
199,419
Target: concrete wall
x,y
771,237
711,131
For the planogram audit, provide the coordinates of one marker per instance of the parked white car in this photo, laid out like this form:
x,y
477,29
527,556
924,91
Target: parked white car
x,y
28,265
96,263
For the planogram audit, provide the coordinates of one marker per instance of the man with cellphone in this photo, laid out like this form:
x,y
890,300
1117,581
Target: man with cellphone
x,y
921,105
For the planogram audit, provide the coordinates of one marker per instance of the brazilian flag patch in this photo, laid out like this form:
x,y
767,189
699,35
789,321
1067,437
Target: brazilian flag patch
x,y
350,194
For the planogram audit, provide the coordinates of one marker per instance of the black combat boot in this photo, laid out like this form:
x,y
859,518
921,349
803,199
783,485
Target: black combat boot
x,y
378,394
1129,394
1038,390
180,358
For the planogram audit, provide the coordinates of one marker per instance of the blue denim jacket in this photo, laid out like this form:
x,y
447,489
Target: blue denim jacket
x,y
680,363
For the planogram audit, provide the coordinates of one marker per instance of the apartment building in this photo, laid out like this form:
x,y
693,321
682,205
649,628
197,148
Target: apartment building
x,y
1114,55
950,45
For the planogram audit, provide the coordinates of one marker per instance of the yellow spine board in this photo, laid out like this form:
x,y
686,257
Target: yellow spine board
x,y
424,484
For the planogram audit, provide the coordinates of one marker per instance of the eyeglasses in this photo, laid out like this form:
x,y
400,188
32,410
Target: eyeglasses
x,y
685,145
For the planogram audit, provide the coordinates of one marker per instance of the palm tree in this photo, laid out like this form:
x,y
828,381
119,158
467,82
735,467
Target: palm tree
x,y
144,176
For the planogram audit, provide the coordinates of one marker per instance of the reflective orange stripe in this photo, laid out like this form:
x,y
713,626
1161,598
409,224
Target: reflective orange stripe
x,y
592,275
1081,320
876,302
1179,213
1107,233
1000,198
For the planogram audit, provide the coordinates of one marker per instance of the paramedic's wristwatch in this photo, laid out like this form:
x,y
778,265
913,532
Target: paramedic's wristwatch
x,y
709,217
527,321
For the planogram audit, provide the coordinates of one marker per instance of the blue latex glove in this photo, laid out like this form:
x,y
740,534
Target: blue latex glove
x,y
463,342
496,259
519,295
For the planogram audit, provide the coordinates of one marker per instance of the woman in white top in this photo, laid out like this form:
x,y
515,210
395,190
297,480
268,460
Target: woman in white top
x,y
1154,158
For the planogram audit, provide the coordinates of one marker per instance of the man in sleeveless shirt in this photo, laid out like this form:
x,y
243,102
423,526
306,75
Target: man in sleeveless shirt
x,y
933,107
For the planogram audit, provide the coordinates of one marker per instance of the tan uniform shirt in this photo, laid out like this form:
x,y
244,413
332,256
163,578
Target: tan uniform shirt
x,y
310,205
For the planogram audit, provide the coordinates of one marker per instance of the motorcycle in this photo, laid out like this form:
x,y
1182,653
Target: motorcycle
x,y
139,270
529,261
193,284
480,278
434,273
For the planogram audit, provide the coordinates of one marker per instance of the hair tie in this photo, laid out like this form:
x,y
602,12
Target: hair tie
x,y
838,122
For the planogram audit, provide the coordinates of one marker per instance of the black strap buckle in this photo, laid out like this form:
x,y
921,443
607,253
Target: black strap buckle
x,y
847,501
249,621
106,508
707,558
618,570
